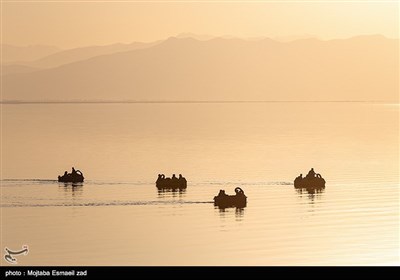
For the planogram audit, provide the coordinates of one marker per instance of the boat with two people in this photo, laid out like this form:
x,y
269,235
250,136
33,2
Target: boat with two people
x,y
76,176
223,200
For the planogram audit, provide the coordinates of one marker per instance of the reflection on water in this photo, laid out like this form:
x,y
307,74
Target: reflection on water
x,y
311,191
72,185
171,193
312,194
239,213
228,211
75,189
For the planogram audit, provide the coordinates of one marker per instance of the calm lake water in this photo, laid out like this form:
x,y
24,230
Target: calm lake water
x,y
117,217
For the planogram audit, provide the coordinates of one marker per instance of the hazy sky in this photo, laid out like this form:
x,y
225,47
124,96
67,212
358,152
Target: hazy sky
x,y
72,23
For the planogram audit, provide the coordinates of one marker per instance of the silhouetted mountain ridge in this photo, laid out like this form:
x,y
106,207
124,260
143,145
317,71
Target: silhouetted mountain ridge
x,y
77,54
359,68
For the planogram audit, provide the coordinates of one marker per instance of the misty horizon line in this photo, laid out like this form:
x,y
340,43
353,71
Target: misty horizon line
x,y
195,36
105,101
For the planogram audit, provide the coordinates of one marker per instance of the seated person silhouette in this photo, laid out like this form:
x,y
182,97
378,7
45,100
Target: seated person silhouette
x,y
222,193
311,174
182,181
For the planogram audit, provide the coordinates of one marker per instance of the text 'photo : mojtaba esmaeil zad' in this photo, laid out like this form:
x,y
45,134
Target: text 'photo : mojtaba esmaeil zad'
x,y
198,134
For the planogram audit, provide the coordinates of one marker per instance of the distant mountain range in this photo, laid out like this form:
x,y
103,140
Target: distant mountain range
x,y
186,69
60,57
17,54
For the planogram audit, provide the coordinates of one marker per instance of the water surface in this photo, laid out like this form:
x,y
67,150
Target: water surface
x,y
117,217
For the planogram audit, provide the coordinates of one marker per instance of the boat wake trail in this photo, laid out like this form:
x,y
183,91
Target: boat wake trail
x,y
105,204
139,183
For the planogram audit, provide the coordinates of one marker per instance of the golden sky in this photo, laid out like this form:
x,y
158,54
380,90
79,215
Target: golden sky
x,y
73,23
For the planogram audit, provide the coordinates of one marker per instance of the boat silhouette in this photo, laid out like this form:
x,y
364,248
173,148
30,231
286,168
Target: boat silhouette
x,y
171,183
238,200
311,181
76,176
